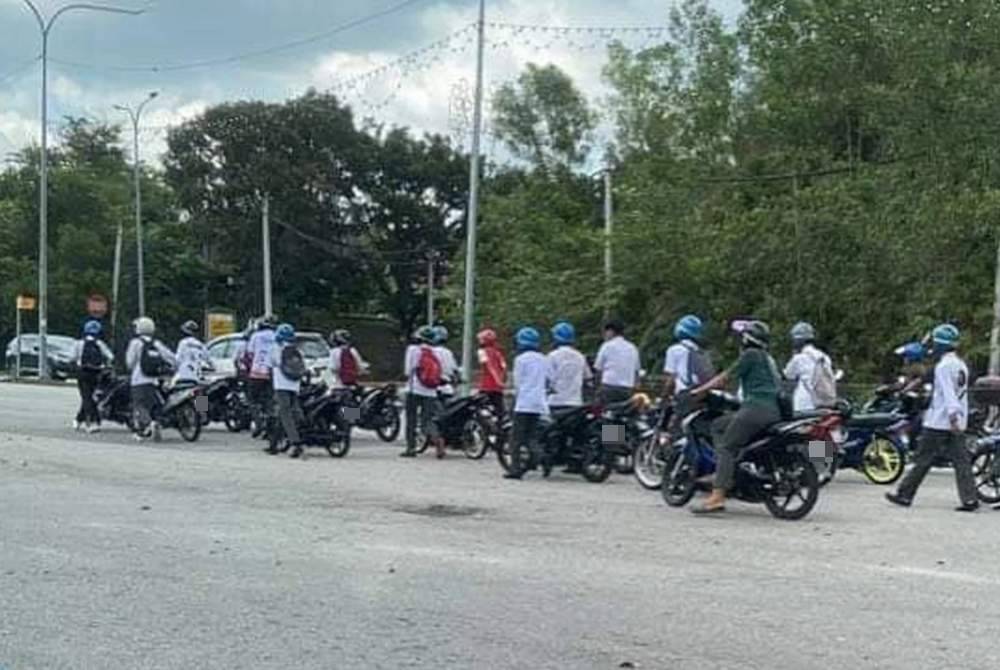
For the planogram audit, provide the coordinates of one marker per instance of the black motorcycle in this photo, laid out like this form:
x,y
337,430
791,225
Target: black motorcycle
x,y
379,411
227,403
178,409
570,438
626,426
113,396
467,424
324,423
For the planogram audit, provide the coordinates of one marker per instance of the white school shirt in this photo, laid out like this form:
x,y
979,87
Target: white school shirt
x,y
530,373
950,396
568,370
678,363
134,353
278,379
191,355
335,355
618,362
410,365
260,346
448,368
800,369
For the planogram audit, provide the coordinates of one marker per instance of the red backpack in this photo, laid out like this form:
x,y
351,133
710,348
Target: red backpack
x,y
348,367
429,368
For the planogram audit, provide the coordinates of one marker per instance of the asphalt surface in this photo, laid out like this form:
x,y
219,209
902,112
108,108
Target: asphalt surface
x,y
215,555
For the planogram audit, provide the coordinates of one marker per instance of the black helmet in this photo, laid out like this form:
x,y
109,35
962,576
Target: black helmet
x,y
190,328
340,336
757,334
267,321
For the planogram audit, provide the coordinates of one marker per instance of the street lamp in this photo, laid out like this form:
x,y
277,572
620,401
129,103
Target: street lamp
x,y
45,26
134,115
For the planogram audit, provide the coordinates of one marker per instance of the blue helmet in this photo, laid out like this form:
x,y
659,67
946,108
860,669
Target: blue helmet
x,y
528,339
911,352
689,327
92,328
440,334
945,336
563,333
284,333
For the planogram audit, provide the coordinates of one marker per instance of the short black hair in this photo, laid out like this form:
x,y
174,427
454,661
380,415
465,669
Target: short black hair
x,y
616,326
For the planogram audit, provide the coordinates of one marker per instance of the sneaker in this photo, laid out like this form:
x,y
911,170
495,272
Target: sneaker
x,y
93,428
408,454
77,425
512,475
273,451
296,452
968,507
897,499
139,437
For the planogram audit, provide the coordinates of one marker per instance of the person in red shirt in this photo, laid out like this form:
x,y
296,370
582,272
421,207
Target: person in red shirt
x,y
492,369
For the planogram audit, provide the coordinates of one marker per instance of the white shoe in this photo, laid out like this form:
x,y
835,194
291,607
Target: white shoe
x,y
139,437
93,428
77,425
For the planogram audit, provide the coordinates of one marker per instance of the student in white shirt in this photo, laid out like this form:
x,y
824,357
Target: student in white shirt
x,y
286,391
617,363
340,341
681,368
422,402
144,387
192,356
811,370
944,426
568,369
259,376
530,376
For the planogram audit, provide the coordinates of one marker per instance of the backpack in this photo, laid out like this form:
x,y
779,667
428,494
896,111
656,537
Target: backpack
x,y
293,365
784,395
348,367
91,357
824,383
428,368
699,366
151,361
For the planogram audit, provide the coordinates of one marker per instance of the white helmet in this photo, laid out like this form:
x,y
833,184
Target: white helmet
x,y
145,326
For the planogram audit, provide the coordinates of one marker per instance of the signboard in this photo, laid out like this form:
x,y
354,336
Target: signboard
x,y
26,303
219,323
97,306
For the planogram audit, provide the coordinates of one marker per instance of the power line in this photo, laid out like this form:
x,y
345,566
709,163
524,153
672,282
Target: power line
x,y
228,60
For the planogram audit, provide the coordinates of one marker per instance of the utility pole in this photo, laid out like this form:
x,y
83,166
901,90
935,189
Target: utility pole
x,y
265,224
608,226
995,335
470,250
45,27
134,116
432,257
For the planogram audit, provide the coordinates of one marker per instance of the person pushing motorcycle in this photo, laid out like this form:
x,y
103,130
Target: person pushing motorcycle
x,y
758,377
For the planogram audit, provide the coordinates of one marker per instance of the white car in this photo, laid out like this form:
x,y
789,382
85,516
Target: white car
x,y
222,351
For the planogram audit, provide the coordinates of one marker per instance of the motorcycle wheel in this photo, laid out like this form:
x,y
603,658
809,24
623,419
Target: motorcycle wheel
x,y
648,468
475,440
883,461
624,464
188,422
388,431
597,462
796,489
986,473
511,459
236,418
679,479
827,475
339,447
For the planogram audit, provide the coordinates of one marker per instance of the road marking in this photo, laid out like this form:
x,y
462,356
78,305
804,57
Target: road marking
x,y
914,571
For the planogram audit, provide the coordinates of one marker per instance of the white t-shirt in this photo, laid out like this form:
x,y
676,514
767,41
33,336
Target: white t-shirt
x,y
260,346
568,370
335,355
530,374
801,370
678,364
448,368
278,379
618,362
951,386
134,353
191,355
410,366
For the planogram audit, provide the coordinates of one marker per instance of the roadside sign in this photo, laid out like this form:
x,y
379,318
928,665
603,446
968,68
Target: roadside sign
x,y
26,303
220,323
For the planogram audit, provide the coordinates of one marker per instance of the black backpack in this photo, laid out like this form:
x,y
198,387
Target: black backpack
x,y
91,357
293,365
151,361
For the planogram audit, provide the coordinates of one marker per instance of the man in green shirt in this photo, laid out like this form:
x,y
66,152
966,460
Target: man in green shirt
x,y
758,377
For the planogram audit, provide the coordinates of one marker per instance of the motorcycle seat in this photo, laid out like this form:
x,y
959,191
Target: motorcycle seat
x,y
785,427
872,420
565,413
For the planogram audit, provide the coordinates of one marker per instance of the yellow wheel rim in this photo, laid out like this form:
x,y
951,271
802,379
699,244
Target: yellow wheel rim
x,y
881,461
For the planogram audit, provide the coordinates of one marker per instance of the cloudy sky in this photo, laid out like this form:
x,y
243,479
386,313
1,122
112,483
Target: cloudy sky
x,y
412,64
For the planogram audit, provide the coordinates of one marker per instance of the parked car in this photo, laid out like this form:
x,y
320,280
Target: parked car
x,y
314,349
61,355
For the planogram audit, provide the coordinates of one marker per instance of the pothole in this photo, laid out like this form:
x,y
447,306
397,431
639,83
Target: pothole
x,y
441,511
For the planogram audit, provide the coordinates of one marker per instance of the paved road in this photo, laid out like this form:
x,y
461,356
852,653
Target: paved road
x,y
117,555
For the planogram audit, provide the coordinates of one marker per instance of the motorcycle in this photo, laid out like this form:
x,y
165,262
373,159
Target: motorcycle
x,y
986,468
178,409
324,422
380,411
571,438
227,403
113,396
467,424
876,444
650,454
628,424
775,469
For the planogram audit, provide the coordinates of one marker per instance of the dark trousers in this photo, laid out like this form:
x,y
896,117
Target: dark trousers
x,y
86,383
145,406
289,413
935,443
259,392
615,394
732,433
420,410
525,433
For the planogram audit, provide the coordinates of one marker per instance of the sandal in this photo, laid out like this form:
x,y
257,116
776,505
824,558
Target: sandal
x,y
706,510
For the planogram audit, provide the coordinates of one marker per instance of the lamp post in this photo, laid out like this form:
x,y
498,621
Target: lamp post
x,y
45,27
135,115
